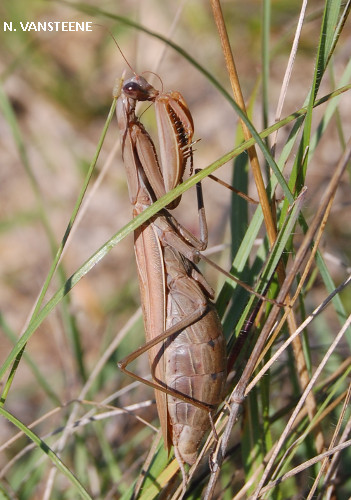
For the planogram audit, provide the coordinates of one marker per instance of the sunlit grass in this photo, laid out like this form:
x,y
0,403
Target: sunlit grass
x,y
55,98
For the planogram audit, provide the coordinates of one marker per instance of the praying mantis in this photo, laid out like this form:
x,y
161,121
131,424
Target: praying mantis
x,y
185,342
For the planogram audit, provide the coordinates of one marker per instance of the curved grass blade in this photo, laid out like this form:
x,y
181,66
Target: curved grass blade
x,y
48,451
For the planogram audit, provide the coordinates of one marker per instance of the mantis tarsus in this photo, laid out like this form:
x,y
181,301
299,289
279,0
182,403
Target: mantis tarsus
x,y
184,336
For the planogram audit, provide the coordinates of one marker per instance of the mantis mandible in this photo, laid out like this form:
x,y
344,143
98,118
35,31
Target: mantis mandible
x,y
184,336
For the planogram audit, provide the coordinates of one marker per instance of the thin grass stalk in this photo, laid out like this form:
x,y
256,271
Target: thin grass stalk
x,y
54,265
68,287
266,207
298,261
239,99
238,394
55,459
325,464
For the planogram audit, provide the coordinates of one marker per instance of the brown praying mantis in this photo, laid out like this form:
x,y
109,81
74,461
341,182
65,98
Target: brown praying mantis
x,y
185,342
184,337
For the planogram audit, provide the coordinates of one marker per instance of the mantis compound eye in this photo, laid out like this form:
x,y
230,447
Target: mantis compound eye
x,y
139,89
131,87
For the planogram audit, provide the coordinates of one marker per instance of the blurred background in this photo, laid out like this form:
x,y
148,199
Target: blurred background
x,y
59,85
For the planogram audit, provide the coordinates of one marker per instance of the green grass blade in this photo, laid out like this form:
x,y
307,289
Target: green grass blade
x,y
50,453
